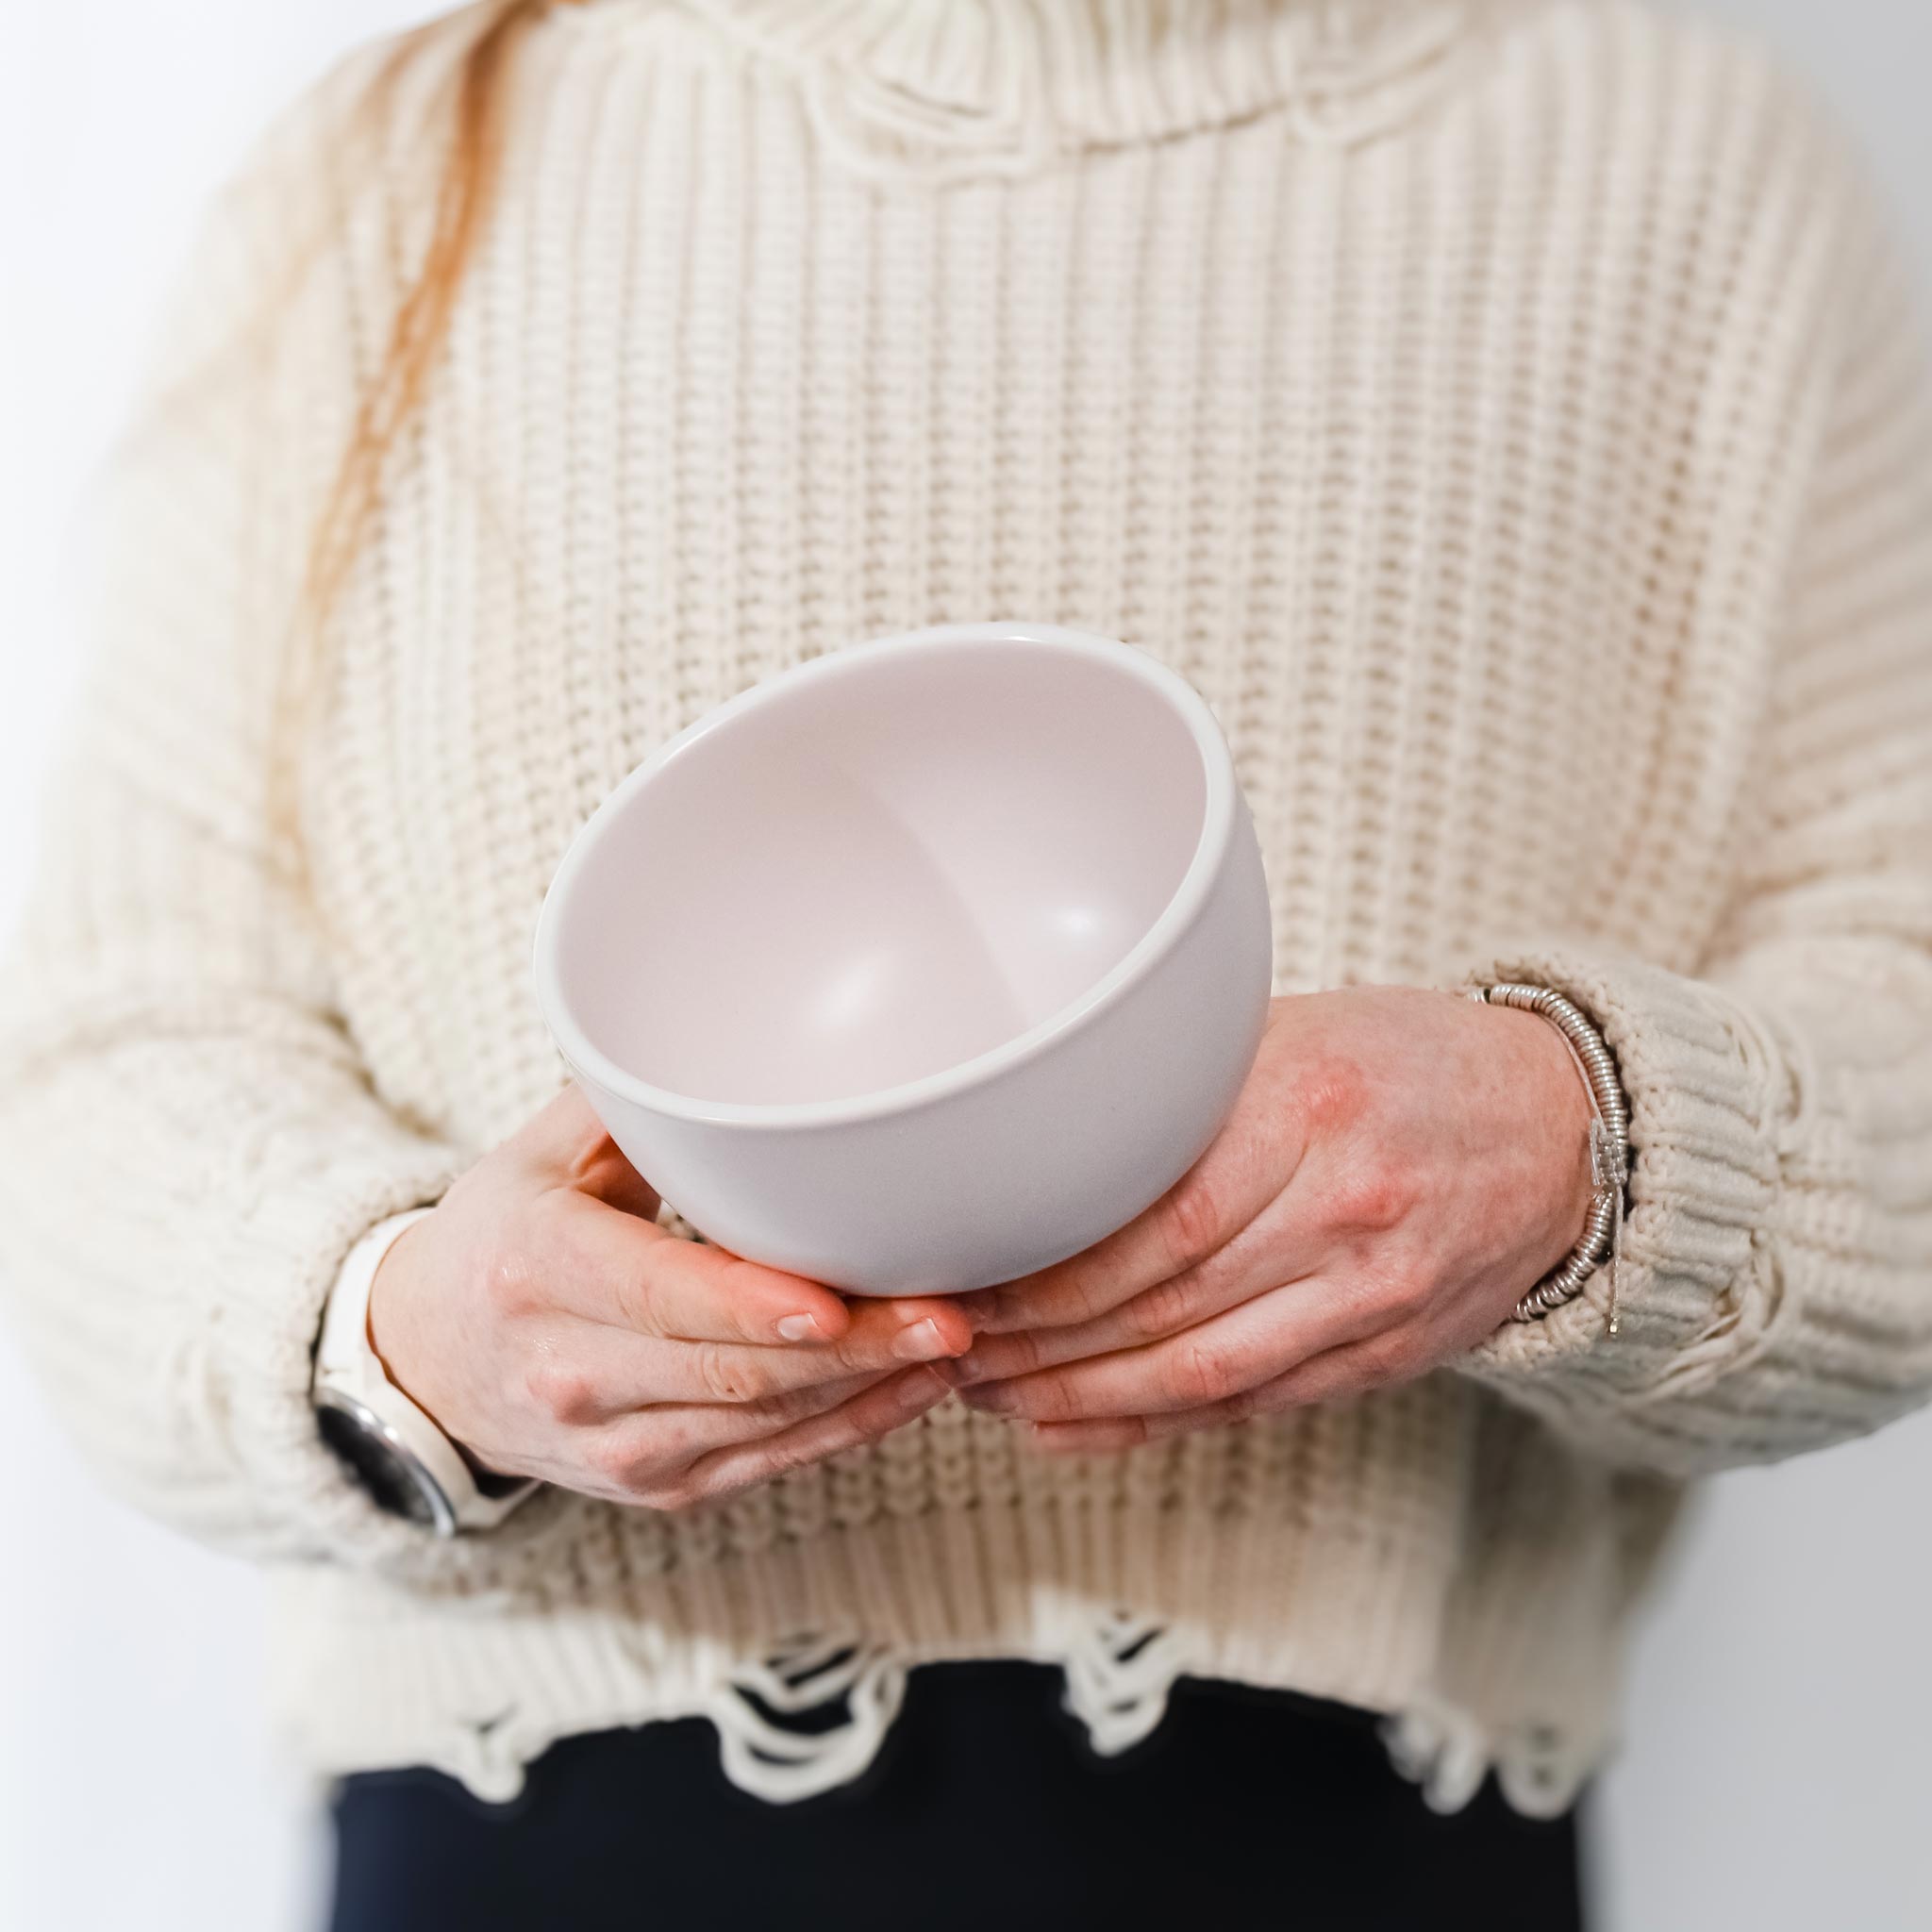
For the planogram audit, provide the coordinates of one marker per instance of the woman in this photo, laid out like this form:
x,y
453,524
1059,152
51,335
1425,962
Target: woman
x,y
1506,413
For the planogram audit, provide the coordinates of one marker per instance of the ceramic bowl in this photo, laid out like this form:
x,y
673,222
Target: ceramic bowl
x,y
923,965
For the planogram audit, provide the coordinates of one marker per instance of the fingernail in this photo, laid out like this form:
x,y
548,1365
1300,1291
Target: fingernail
x,y
922,1342
968,1368
995,1396
799,1328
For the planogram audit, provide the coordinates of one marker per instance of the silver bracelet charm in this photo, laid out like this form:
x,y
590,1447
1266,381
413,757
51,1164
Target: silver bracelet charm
x,y
1609,1148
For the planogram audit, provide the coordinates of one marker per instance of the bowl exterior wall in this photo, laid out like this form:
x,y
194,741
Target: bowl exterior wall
x,y
1037,1162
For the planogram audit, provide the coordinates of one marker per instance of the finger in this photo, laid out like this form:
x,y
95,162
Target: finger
x,y
633,1457
671,1435
1337,1375
1355,1368
1249,1265
615,1268
1111,1435
566,1123
864,1419
585,1375
572,1148
591,1371
1213,1362
602,1172
1211,1204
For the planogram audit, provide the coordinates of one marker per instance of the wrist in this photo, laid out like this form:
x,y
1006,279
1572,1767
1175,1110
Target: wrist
x,y
389,1310
1595,1088
394,1446
1557,1109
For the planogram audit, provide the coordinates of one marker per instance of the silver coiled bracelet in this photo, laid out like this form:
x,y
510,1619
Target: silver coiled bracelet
x,y
1609,1148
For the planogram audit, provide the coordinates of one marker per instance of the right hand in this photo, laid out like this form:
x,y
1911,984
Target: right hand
x,y
554,1330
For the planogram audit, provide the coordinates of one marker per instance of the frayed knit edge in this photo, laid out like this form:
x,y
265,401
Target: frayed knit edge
x,y
1122,1594
1448,1752
1118,1677
1119,1674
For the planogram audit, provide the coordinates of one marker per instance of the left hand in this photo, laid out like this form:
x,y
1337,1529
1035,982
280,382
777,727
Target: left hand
x,y
1401,1168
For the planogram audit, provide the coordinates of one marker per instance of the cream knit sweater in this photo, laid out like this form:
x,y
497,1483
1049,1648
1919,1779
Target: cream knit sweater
x,y
1506,413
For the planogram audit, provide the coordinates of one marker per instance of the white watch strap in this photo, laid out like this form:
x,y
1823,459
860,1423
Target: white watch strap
x,y
350,1371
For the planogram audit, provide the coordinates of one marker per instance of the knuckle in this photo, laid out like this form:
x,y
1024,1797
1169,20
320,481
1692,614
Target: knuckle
x,y
1162,1308
1373,1197
1083,1297
1248,1403
1390,1358
724,1489
1203,1373
548,1227
1070,1293
617,1462
509,1285
1191,1218
774,1411
1047,1398
564,1393
773,1463
782,1459
723,1375
1017,1353
677,1441
860,1352
781,1408
1407,1290
636,1295
671,1499
1332,1092
1303,1387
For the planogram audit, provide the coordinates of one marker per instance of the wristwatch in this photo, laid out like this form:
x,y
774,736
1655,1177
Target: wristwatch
x,y
392,1447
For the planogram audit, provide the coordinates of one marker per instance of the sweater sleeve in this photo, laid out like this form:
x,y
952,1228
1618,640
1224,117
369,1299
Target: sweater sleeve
x,y
1776,1287
189,1142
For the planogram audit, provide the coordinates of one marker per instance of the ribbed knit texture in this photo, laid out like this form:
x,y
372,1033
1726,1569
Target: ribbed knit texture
x,y
1508,415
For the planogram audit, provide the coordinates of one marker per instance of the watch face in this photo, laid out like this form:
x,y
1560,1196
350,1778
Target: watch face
x,y
396,1482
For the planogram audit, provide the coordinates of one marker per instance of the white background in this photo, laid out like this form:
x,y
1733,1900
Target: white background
x,y
1778,1775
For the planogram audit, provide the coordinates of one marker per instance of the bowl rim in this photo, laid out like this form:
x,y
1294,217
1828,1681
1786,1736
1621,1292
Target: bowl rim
x,y
588,1064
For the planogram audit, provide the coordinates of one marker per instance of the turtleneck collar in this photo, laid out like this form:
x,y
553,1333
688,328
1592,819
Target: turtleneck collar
x,y
941,88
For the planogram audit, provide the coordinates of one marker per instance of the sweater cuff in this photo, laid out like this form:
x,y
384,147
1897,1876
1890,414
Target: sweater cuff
x,y
287,1251
1701,1084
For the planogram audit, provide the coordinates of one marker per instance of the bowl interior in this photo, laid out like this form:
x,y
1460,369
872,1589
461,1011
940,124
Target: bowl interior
x,y
871,877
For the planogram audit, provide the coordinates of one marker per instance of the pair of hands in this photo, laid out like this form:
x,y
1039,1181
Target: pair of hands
x,y
1400,1168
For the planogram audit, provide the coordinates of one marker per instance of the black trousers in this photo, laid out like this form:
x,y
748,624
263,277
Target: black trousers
x,y
985,1811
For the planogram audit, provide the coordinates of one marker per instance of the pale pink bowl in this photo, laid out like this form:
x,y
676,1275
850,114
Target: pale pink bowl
x,y
923,965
